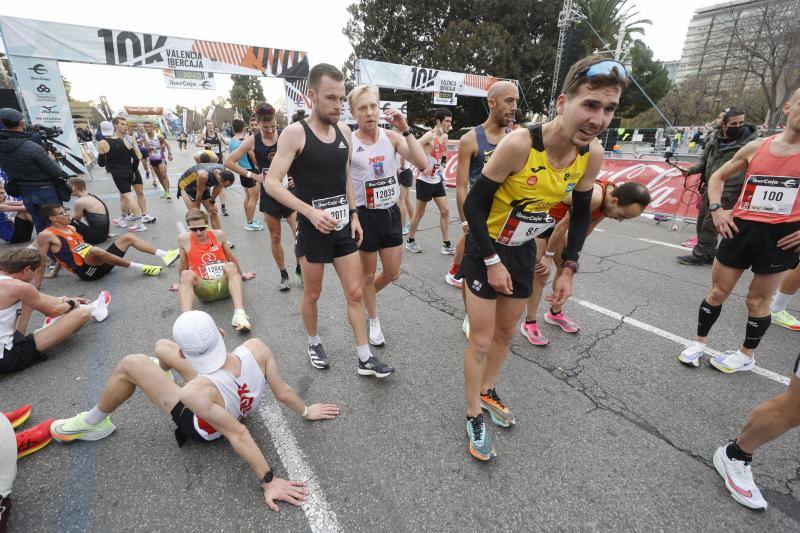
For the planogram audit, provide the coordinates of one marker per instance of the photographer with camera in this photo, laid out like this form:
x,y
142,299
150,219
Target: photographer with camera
x,y
31,172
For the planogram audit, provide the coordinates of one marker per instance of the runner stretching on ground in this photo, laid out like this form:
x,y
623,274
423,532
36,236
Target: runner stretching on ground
x,y
221,389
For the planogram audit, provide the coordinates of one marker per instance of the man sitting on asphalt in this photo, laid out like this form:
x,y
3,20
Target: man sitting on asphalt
x,y
62,242
209,270
89,214
221,389
18,299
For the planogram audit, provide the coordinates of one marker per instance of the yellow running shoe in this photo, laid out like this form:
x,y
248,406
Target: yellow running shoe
x,y
171,257
786,320
150,270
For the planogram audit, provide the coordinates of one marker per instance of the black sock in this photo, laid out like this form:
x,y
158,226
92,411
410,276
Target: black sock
x,y
530,321
410,240
755,330
284,274
706,316
446,243
554,313
297,269
734,452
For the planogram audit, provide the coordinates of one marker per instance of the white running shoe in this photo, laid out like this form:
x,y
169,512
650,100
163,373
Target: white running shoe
x,y
148,219
375,334
120,222
454,281
692,354
448,249
137,229
739,480
731,362
100,306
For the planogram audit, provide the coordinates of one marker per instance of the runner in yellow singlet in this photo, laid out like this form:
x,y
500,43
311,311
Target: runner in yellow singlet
x,y
531,170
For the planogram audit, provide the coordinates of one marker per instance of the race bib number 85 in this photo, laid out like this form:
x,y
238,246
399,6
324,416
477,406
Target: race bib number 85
x,y
336,207
521,226
775,195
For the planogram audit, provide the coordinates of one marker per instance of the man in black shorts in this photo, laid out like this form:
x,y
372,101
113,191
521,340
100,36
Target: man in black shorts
x,y
316,153
199,409
89,213
430,182
200,185
19,298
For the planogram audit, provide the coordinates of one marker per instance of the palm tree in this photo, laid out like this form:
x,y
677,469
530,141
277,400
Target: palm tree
x,y
607,17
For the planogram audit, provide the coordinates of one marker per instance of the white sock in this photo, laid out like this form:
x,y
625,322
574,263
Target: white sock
x,y
161,253
313,341
374,320
745,355
364,353
95,416
137,266
780,301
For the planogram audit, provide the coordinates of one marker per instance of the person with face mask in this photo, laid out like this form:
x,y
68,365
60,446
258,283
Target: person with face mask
x,y
731,136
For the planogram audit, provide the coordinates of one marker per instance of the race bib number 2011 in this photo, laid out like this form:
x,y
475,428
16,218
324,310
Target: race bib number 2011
x,y
381,193
775,195
521,226
336,207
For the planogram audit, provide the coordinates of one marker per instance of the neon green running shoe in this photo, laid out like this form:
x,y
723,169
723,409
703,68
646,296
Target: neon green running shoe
x,y
150,270
76,428
171,257
786,320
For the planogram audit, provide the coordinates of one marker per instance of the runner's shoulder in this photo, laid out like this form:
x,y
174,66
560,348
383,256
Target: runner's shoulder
x,y
519,139
345,129
469,140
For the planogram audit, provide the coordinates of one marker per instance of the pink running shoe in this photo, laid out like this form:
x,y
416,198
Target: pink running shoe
x,y
691,243
533,334
561,320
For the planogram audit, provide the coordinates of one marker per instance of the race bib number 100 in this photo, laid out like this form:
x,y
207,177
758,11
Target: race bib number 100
x,y
775,195
381,193
521,226
335,206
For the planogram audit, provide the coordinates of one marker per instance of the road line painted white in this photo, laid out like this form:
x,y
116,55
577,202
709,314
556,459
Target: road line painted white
x,y
671,336
651,241
321,518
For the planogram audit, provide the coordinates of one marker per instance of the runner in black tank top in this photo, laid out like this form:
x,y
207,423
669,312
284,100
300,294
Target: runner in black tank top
x,y
214,141
315,153
117,156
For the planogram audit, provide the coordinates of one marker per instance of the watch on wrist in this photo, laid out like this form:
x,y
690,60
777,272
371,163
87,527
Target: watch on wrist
x,y
406,133
352,212
266,479
713,207
572,265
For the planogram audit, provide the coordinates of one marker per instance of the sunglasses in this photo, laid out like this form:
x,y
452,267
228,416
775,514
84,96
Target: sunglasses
x,y
603,68
198,228
265,110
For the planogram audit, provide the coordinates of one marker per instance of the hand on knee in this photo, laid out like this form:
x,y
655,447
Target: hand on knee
x,y
166,348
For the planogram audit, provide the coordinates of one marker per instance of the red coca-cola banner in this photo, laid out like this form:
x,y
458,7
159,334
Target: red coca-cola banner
x,y
665,183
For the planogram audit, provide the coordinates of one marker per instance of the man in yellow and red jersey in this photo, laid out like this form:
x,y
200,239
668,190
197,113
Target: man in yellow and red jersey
x,y
531,170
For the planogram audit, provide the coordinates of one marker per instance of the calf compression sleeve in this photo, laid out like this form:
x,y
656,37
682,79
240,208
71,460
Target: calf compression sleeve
x,y
755,330
706,316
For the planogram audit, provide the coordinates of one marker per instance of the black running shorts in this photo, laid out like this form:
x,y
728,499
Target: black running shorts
x,y
755,246
184,422
406,177
518,260
270,206
427,192
318,247
93,273
382,228
191,192
123,183
247,183
21,355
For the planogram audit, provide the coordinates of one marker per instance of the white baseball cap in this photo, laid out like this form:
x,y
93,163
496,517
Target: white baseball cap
x,y
200,341
107,128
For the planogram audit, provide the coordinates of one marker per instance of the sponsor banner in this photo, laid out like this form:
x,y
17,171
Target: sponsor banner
x,y
445,99
412,78
665,183
42,90
189,79
106,46
143,110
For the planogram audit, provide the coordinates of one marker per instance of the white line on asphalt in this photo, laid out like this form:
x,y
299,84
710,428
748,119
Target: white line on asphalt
x,y
651,241
671,336
321,518
181,228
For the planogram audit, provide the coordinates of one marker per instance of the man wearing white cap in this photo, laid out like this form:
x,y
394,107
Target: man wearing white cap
x,y
221,388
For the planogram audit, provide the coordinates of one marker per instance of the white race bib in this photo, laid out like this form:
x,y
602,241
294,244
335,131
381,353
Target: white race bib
x,y
214,270
381,193
337,207
521,226
775,195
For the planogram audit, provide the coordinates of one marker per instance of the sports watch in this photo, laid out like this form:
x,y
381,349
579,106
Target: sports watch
x,y
713,207
572,265
266,479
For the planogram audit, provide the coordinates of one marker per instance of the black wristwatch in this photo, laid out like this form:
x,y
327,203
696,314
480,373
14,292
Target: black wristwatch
x,y
713,207
406,133
572,265
353,211
266,479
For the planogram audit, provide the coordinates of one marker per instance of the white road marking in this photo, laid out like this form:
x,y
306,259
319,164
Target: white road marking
x,y
651,241
671,336
321,518
181,228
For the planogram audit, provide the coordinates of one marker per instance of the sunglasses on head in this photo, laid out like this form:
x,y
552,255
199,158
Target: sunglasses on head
x,y
265,110
607,67
198,228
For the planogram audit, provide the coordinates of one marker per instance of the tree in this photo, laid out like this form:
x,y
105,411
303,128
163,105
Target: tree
x,y
653,78
506,38
607,17
688,103
245,94
767,47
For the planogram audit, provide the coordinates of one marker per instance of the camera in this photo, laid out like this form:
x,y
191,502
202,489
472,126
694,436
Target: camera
x,y
47,132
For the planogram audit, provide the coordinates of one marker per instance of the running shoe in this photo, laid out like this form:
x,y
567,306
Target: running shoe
x,y
692,354
739,480
252,226
34,439
465,326
498,410
167,196
691,243
151,270
100,306
373,367
76,428
731,362
241,321
171,257
231,245
407,228
224,211
259,224
480,444
148,219
694,260
120,222
167,373
533,334
375,334
298,276
561,320
786,320
283,286
319,359
454,281
448,249
48,321
137,228
18,416
413,247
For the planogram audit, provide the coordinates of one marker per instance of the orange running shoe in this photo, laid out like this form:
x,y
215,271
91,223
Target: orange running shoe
x,y
18,417
34,439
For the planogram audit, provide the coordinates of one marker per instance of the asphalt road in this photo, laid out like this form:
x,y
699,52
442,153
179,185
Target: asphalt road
x,y
612,433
